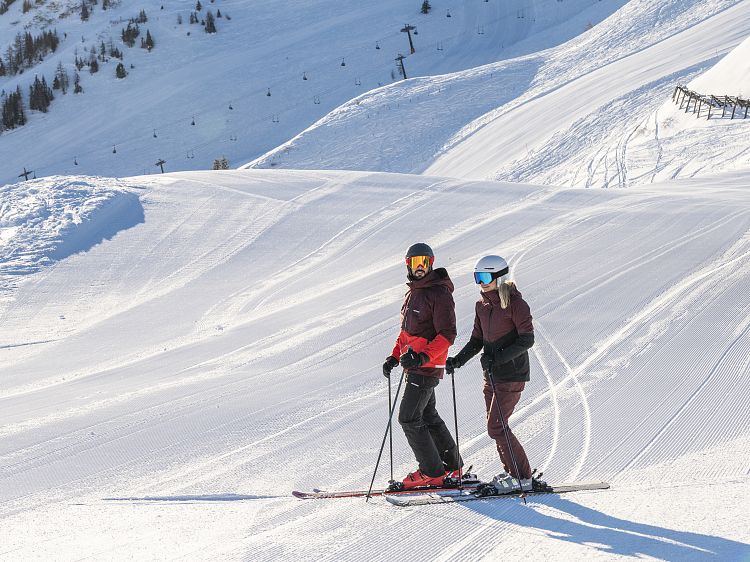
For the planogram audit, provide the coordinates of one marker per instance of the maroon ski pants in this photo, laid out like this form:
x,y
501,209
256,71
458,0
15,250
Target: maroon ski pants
x,y
508,395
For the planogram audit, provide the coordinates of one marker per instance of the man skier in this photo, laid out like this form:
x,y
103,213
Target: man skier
x,y
428,329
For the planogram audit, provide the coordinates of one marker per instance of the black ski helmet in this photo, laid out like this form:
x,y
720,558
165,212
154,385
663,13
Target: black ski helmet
x,y
419,249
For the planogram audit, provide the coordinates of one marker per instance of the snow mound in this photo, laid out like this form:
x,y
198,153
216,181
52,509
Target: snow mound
x,y
43,221
730,76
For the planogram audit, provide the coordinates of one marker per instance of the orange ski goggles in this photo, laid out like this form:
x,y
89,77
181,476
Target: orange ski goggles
x,y
415,261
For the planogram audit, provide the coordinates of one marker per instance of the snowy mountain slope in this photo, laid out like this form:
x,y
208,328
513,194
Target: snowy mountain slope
x,y
557,116
672,142
227,350
197,78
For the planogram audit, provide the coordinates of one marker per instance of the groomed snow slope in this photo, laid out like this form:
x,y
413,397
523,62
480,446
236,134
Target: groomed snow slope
x,y
560,116
226,350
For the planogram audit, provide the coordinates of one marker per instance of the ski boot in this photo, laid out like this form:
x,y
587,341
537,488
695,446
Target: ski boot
x,y
504,483
417,480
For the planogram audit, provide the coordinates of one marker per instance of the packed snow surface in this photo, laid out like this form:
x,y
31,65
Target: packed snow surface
x,y
163,390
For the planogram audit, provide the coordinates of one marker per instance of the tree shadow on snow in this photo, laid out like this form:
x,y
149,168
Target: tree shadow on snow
x,y
609,534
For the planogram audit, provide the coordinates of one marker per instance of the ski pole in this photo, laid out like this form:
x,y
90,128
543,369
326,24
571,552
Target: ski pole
x,y
387,430
458,448
506,430
390,432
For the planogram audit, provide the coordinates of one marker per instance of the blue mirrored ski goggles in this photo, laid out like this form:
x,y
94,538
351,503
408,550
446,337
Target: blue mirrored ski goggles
x,y
483,277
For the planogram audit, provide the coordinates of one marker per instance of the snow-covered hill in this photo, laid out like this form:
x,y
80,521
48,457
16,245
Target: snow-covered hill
x,y
673,143
564,116
266,45
163,392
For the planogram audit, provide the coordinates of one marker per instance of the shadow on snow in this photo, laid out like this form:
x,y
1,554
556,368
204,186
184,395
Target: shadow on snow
x,y
194,498
609,534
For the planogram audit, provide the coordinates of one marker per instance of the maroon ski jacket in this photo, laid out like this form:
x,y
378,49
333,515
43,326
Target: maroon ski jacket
x,y
505,335
428,321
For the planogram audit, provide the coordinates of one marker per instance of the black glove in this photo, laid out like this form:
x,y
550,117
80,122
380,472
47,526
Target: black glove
x,y
451,365
486,361
388,366
412,360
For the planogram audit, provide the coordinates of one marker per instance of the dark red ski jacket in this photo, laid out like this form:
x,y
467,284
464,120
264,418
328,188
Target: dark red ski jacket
x,y
428,321
504,335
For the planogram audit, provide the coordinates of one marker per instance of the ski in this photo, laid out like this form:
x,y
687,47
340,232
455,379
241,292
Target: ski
x,y
430,497
470,482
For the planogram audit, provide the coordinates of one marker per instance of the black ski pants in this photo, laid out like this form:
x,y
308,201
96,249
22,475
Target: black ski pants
x,y
426,432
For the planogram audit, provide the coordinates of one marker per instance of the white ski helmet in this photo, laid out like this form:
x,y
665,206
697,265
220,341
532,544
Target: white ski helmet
x,y
489,268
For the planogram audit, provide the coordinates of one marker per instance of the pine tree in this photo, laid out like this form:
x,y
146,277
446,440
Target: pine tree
x,y
27,50
61,81
426,7
93,65
12,110
221,163
77,88
210,23
130,33
40,95
198,6
120,71
6,119
84,11
148,43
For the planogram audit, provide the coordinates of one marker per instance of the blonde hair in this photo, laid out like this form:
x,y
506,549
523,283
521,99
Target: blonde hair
x,y
503,289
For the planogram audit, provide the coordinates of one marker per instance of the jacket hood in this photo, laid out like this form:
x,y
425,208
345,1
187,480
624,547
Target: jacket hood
x,y
436,277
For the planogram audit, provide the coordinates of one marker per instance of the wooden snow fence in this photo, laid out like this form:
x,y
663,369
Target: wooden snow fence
x,y
698,102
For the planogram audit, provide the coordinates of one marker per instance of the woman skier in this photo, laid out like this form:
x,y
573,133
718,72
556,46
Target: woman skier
x,y
504,332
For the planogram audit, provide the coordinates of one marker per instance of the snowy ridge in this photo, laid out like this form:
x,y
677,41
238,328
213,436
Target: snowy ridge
x,y
227,350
